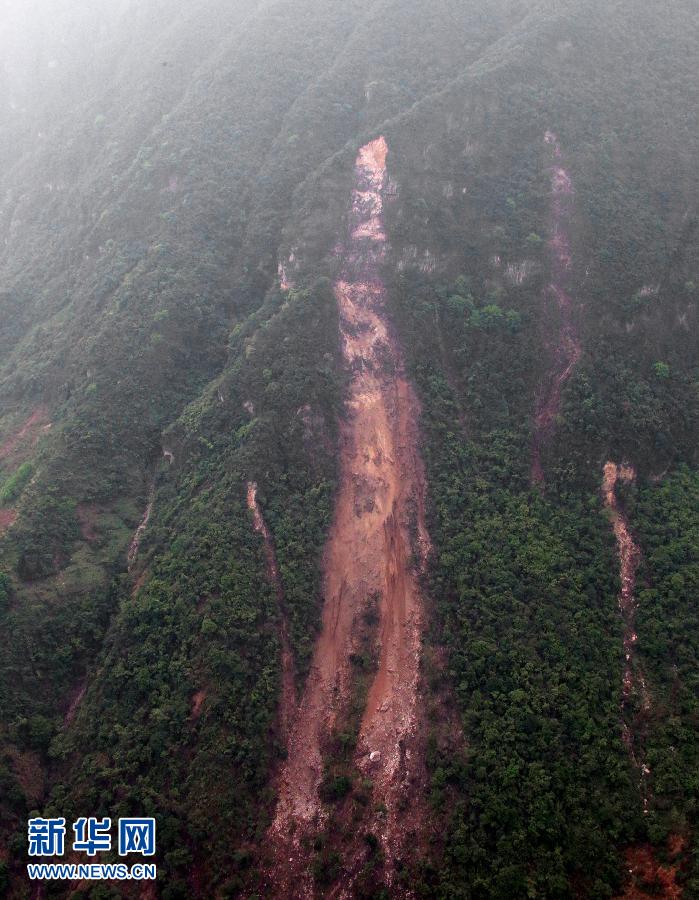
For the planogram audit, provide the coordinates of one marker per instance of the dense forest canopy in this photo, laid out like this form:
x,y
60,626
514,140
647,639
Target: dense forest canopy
x,y
181,192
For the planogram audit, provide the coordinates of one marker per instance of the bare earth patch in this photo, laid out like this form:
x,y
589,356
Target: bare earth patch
x,y
647,879
566,350
629,556
135,544
369,553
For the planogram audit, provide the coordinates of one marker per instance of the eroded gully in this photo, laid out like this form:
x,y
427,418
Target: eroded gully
x,y
369,552
566,350
135,544
633,682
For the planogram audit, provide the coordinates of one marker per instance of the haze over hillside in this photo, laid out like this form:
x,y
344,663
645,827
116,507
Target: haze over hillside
x,y
348,443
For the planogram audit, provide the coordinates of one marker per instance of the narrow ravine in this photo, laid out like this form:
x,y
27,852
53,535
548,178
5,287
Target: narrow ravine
x,y
288,696
380,503
135,544
566,350
633,681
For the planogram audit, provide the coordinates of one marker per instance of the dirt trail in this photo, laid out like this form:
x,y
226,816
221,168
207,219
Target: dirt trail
x,y
369,552
567,349
135,544
288,698
629,556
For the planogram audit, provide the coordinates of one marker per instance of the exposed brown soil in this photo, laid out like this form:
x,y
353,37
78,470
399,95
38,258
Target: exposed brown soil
x,y
8,517
566,349
288,695
647,879
27,435
369,553
629,555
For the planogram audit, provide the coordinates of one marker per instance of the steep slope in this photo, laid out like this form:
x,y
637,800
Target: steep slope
x,y
633,680
212,496
367,556
287,699
566,350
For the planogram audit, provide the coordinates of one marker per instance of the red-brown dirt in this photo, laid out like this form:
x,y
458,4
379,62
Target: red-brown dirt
x,y
288,696
566,350
647,879
27,435
369,552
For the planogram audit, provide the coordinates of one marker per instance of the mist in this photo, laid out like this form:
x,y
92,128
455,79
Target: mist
x,y
57,55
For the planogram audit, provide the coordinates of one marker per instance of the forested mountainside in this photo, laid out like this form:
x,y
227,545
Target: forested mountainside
x,y
349,501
